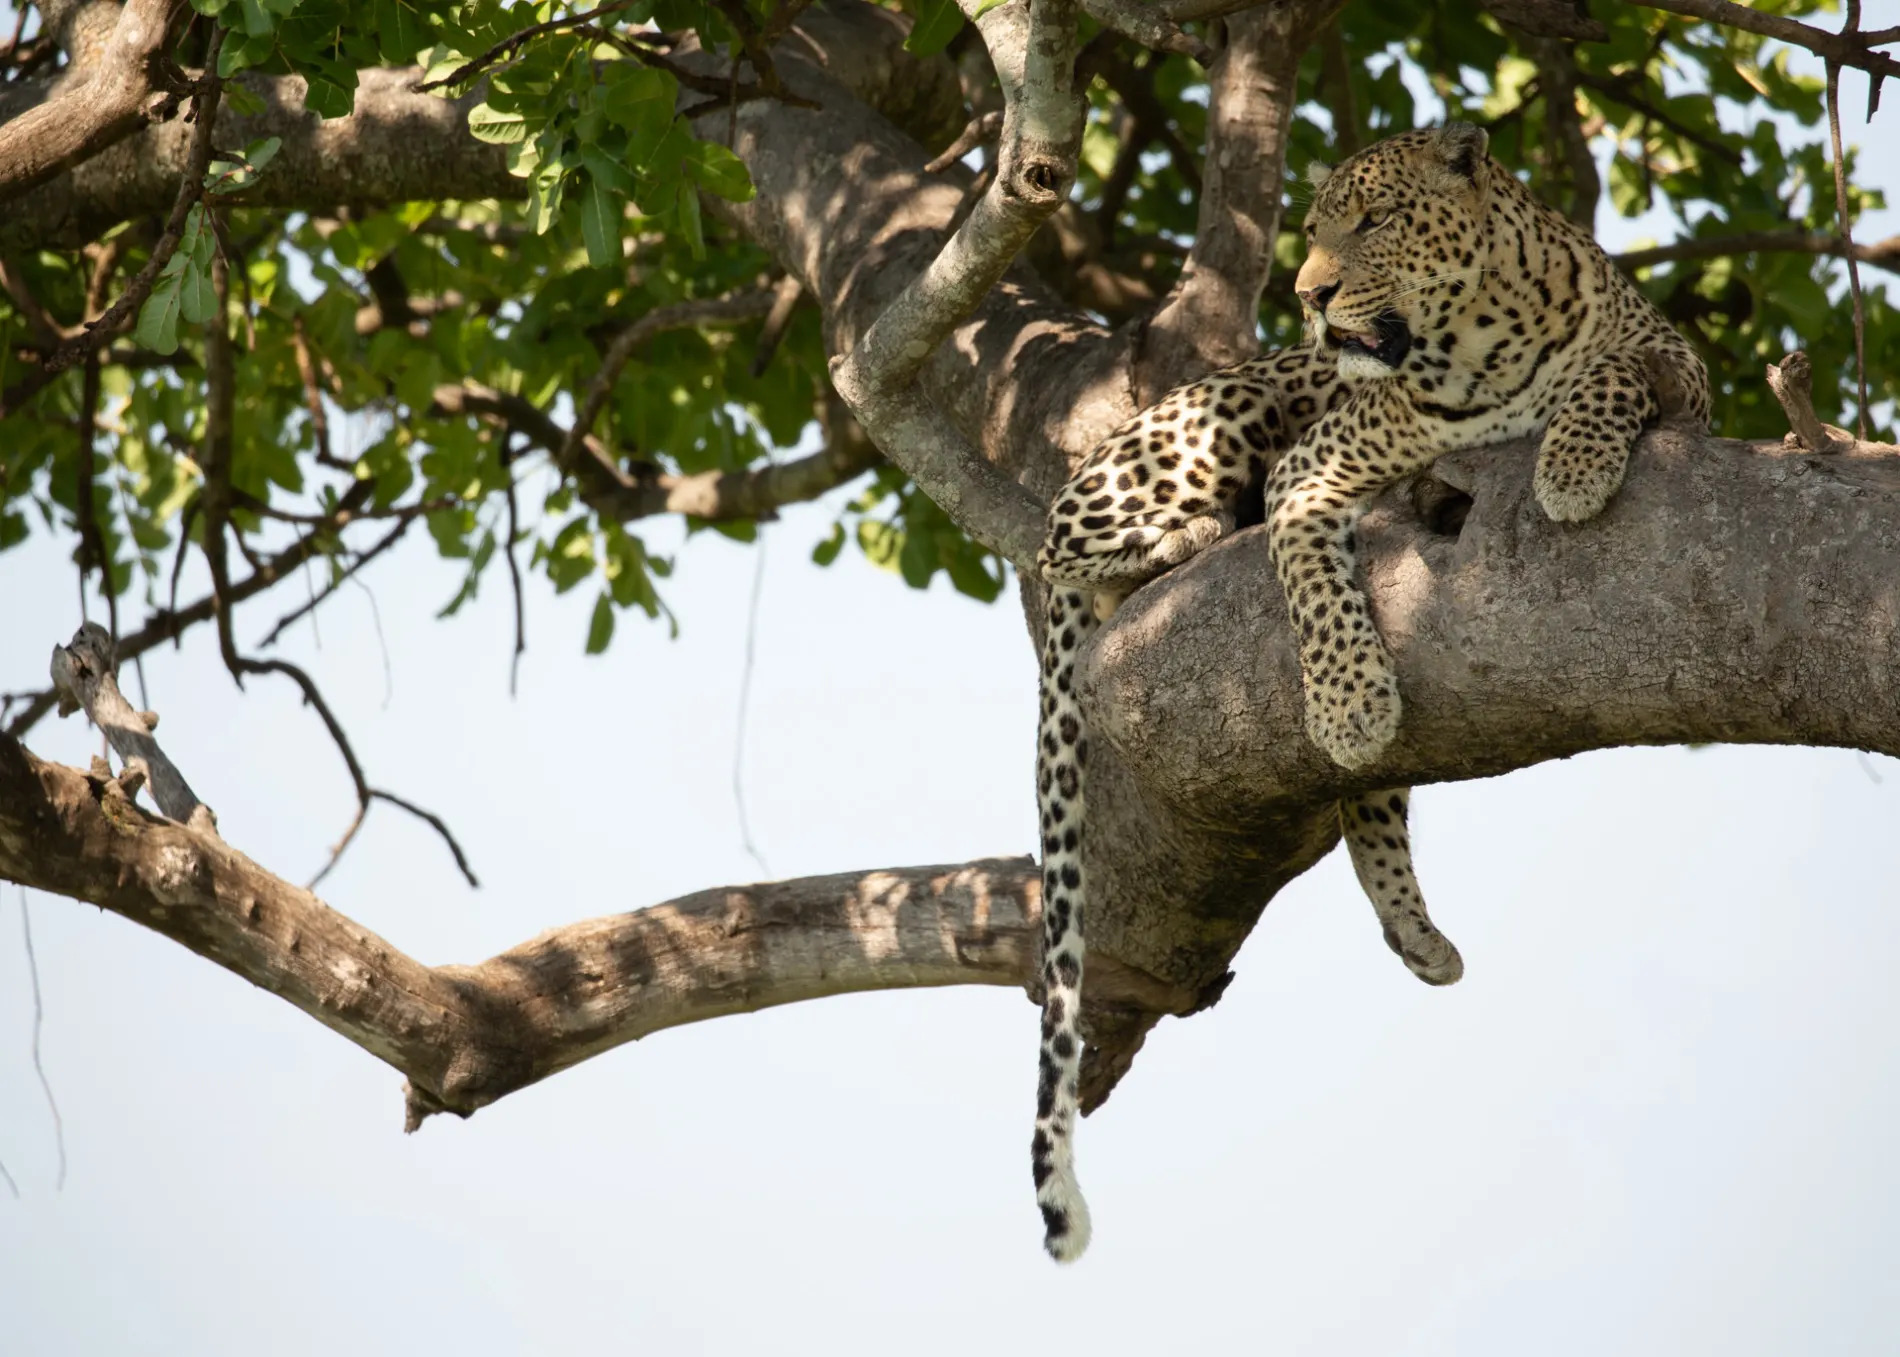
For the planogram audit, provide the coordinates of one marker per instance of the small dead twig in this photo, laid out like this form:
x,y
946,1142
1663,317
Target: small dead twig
x,y
39,1065
728,310
303,610
365,794
313,395
1790,381
975,133
785,295
1846,221
514,579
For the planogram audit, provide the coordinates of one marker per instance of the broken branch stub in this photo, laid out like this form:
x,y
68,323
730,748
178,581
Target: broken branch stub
x,y
84,679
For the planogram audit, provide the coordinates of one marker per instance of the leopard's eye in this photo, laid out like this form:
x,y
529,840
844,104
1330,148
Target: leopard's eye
x,y
1372,221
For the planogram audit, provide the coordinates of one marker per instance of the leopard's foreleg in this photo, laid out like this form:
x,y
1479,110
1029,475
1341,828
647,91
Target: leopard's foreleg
x,y
1587,446
1315,496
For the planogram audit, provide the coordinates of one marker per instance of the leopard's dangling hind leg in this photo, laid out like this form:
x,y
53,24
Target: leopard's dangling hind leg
x,y
1374,828
1062,751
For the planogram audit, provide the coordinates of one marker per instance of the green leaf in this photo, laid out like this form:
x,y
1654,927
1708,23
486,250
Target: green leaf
x,y
198,300
827,551
260,153
917,562
718,170
937,23
601,211
636,97
986,7
400,31
495,127
240,100
606,170
600,630
158,318
689,223
330,89
239,52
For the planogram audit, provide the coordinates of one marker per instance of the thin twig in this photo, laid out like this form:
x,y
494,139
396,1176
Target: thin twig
x,y
509,45
365,793
514,567
39,1065
92,541
1846,223
980,129
382,642
745,703
169,623
785,295
728,310
1883,254
1847,49
313,395
290,618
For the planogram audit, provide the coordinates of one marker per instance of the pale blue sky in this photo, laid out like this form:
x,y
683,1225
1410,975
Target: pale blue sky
x,y
1655,1117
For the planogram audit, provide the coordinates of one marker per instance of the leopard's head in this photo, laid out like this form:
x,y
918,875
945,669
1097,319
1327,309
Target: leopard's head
x,y
1394,240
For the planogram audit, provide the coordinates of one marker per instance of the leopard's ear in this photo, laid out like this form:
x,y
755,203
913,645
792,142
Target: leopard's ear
x,y
1461,147
1318,172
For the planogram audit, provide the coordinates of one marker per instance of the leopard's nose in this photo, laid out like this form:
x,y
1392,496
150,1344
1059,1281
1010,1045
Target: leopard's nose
x,y
1317,297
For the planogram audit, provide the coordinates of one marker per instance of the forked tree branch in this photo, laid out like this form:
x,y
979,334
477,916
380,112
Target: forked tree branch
x,y
1211,317
1032,45
468,1035
1848,49
96,104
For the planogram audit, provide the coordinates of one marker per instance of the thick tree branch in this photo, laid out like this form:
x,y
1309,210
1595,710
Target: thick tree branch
x,y
1032,45
1557,81
1211,318
97,103
397,146
468,1035
1147,25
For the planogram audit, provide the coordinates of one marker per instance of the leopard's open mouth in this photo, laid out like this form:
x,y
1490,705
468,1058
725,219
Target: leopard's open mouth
x,y
1389,339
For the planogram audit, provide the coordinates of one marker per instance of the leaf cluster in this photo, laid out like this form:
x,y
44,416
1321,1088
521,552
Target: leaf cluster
x,y
350,328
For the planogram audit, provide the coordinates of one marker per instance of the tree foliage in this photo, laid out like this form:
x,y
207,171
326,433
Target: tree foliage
x,y
353,334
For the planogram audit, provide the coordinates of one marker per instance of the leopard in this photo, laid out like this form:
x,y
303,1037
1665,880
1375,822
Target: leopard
x,y
1445,306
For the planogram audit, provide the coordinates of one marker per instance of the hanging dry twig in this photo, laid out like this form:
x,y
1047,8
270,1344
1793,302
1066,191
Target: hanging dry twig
x,y
1846,222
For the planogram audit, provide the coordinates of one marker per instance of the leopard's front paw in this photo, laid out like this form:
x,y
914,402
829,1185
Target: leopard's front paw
x,y
1352,712
1571,492
1190,539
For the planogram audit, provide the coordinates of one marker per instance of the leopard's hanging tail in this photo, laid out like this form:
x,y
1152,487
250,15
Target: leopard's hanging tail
x,y
1062,750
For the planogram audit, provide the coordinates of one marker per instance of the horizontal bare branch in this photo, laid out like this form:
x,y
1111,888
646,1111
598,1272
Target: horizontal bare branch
x,y
397,146
468,1035
1880,253
1849,49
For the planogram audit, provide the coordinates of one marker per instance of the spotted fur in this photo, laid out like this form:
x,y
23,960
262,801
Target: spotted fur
x,y
1448,308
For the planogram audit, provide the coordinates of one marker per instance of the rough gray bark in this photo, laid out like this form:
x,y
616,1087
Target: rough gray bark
x,y
468,1035
1732,592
